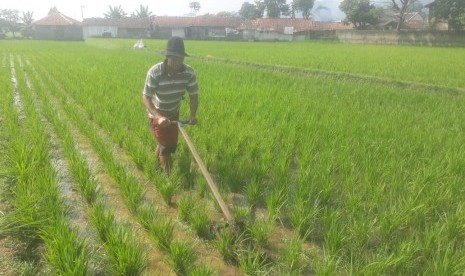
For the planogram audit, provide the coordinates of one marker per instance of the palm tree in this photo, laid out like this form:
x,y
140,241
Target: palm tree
x,y
115,12
143,12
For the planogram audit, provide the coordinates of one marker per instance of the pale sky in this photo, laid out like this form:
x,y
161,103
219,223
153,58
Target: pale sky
x,y
96,8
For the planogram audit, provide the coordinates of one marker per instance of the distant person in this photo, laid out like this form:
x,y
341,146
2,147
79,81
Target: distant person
x,y
139,45
165,86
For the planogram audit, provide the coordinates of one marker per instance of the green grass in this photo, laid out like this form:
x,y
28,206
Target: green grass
x,y
182,257
40,213
163,232
378,164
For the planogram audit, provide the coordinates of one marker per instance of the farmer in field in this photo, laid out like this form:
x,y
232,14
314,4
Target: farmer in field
x,y
165,86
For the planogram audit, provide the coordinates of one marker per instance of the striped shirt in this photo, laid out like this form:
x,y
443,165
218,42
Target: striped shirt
x,y
166,92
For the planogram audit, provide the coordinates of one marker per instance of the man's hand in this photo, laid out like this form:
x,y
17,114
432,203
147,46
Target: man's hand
x,y
192,120
163,122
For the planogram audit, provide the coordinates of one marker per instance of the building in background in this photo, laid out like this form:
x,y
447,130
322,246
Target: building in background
x,y
57,26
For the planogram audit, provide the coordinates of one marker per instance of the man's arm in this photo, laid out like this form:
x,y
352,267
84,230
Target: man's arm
x,y
149,105
193,104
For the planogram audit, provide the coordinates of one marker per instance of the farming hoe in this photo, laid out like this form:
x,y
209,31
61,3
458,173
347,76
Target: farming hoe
x,y
230,221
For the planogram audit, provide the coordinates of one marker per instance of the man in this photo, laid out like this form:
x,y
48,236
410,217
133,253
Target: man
x,y
165,86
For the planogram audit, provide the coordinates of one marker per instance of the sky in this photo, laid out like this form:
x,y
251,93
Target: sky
x,y
96,8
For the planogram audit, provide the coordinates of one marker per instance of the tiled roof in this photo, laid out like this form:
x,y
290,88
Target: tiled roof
x,y
216,21
128,23
300,25
56,19
198,21
172,21
331,26
277,24
166,22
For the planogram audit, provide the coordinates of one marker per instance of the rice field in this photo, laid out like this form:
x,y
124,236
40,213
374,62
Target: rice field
x,y
337,160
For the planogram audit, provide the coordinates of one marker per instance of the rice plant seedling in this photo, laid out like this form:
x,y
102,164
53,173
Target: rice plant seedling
x,y
292,257
202,270
182,257
227,244
302,216
275,201
72,260
186,207
148,216
163,232
103,220
126,254
253,262
243,213
167,189
328,265
335,237
133,195
260,231
201,185
201,223
253,192
88,187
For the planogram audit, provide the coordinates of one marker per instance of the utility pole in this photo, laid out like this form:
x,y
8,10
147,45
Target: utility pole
x,y
82,13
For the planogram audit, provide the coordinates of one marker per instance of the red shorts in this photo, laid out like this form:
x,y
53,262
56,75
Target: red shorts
x,y
167,137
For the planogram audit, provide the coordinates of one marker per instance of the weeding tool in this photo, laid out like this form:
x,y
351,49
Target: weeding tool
x,y
206,174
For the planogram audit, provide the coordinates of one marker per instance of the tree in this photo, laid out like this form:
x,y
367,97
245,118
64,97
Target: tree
x,y
451,10
115,12
226,14
402,8
10,20
27,20
250,11
276,8
53,10
360,13
143,12
194,6
304,6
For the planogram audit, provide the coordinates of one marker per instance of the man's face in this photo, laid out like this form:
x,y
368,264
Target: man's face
x,y
175,63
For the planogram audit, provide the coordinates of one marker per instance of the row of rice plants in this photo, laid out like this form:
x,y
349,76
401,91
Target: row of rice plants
x,y
356,149
159,227
39,212
342,150
199,219
10,264
431,65
129,140
125,253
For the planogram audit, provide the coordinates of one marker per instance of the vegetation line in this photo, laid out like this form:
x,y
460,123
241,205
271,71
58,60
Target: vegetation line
x,y
339,75
125,253
76,213
40,210
138,201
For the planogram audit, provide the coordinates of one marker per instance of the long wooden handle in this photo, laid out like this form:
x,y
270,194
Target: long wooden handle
x,y
206,174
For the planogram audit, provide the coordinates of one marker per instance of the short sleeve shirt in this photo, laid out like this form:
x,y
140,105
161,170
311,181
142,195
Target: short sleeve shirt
x,y
166,92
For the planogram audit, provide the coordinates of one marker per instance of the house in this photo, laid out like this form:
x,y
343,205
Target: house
x,y
276,29
122,27
214,27
412,21
57,26
433,22
168,26
287,29
198,27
